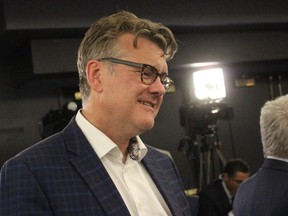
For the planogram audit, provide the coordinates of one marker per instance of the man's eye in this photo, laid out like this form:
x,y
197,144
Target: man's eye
x,y
147,74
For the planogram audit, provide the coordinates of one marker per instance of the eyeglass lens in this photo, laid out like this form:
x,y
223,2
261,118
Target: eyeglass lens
x,y
150,74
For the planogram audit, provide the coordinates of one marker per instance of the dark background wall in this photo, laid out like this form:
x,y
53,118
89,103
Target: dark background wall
x,y
39,40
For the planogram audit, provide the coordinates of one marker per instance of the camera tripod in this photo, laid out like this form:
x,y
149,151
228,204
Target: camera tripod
x,y
203,146
209,144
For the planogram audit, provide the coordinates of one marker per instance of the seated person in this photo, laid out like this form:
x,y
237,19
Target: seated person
x,y
215,199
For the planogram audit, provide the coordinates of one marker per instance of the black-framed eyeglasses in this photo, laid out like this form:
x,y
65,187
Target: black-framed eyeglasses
x,y
148,73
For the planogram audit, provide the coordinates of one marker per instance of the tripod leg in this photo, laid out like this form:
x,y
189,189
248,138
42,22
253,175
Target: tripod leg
x,y
201,174
208,166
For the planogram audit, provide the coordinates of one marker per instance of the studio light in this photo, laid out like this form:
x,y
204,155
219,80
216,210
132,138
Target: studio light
x,y
200,117
202,114
209,84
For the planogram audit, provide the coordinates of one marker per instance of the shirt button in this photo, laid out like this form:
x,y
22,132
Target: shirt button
x,y
140,204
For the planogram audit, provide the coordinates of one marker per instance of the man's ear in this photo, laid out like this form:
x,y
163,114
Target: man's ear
x,y
94,75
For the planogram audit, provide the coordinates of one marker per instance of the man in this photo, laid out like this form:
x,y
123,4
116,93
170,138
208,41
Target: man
x,y
216,198
98,165
266,192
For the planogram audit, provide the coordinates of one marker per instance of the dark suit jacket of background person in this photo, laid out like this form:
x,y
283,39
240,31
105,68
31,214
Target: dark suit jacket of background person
x,y
265,193
62,175
213,200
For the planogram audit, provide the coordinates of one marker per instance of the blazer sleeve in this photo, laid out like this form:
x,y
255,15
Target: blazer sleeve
x,y
20,193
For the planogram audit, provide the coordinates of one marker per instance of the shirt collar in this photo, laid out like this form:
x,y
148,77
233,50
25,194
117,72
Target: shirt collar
x,y
101,143
278,158
225,188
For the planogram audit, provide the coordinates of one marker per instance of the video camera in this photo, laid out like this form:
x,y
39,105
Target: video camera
x,y
202,117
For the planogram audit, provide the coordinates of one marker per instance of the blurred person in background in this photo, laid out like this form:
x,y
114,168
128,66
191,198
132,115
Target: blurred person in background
x,y
216,198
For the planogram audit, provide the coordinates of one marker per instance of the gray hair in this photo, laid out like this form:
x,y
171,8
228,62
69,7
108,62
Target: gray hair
x,y
100,41
274,127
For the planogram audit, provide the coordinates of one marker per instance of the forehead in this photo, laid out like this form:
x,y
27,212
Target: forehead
x,y
143,46
145,51
241,175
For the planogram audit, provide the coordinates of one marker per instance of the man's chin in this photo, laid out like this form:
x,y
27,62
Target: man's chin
x,y
147,125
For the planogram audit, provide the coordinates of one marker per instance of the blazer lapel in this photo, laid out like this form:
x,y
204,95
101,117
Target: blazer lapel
x,y
162,183
93,172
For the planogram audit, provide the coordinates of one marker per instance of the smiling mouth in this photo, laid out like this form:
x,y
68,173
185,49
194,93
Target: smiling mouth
x,y
146,103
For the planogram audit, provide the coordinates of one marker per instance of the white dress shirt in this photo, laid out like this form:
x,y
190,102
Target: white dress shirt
x,y
227,191
228,195
133,182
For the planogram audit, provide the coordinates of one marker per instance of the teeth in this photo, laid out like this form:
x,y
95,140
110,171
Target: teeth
x,y
147,104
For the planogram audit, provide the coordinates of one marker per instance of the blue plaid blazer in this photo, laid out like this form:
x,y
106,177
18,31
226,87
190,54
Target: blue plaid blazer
x,y
62,175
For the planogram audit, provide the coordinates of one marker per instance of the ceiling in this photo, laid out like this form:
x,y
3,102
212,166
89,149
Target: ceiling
x,y
24,21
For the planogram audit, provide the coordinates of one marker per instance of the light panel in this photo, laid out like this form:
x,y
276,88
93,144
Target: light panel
x,y
209,84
